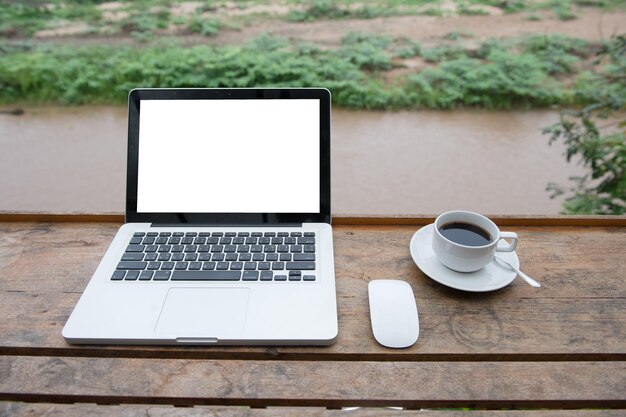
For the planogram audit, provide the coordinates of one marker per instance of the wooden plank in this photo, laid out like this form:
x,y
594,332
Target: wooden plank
x,y
127,410
346,219
578,314
500,220
554,385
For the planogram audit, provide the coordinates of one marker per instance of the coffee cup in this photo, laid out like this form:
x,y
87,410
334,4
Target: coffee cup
x,y
465,241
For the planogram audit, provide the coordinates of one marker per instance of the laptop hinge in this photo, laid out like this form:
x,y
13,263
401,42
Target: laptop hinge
x,y
225,225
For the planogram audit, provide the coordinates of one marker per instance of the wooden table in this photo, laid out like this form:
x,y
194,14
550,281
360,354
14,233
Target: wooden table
x,y
555,348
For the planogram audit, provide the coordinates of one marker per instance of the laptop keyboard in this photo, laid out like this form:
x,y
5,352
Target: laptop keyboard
x,y
218,256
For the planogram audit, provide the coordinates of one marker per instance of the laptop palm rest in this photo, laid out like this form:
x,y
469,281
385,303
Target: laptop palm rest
x,y
203,315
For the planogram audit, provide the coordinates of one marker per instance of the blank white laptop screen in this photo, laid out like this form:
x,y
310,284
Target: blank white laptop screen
x,y
229,156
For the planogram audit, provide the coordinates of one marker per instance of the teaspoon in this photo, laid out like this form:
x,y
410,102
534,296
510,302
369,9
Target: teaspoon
x,y
520,273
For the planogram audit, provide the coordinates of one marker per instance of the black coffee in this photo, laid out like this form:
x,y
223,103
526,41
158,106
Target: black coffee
x,y
465,234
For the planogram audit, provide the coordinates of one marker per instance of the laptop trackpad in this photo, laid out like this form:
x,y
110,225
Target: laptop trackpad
x,y
204,312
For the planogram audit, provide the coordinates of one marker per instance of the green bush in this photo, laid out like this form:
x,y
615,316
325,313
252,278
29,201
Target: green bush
x,y
505,80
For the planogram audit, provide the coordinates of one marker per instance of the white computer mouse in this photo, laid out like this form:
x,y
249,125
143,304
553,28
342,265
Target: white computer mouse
x,y
393,312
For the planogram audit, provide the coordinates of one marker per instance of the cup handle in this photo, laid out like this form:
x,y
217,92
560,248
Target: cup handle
x,y
503,245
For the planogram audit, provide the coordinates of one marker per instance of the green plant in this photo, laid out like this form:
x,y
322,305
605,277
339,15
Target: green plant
x,y
504,81
601,149
206,27
366,51
320,9
559,53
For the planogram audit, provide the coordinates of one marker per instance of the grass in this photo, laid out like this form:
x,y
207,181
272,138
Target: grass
x,y
531,72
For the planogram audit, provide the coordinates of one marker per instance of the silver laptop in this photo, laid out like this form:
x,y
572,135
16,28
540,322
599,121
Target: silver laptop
x,y
227,238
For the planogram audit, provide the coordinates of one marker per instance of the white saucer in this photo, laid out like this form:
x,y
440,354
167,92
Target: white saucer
x,y
491,277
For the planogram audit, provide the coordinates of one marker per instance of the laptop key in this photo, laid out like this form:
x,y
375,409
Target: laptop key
x,y
252,241
264,241
308,278
118,275
269,248
164,248
160,241
217,257
277,241
186,241
164,257
267,275
206,276
146,275
230,234
203,248
178,234
222,266
256,248
135,241
204,257
177,257
191,234
239,241
231,257
296,248
243,234
306,266
208,266
195,266
152,234
256,234
296,234
304,257
236,266
217,248
306,241
135,248
148,241
181,265
278,266
177,248
131,276
140,234
154,265
249,266
165,234
264,266
258,257
269,234
162,275
204,234
151,248
290,241
280,277
226,241
136,266
191,256
217,234
150,257
230,248
167,265
309,234
132,256
271,257
251,275
285,257
191,248
282,248
309,248
245,257
282,234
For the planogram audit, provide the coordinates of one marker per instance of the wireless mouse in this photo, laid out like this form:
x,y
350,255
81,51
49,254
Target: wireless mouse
x,y
393,312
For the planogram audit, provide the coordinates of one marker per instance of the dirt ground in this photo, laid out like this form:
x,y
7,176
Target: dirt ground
x,y
591,24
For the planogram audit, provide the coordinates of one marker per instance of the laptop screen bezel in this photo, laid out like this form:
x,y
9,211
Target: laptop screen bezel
x,y
134,109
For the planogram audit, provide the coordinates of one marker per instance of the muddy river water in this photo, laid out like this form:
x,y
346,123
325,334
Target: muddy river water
x,y
73,159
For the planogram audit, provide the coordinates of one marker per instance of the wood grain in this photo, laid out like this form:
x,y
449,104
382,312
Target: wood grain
x,y
578,314
9,409
346,219
307,383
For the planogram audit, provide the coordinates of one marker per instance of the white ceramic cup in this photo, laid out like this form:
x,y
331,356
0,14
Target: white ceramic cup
x,y
464,258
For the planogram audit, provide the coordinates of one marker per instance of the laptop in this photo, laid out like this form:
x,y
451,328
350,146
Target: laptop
x,y
227,239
